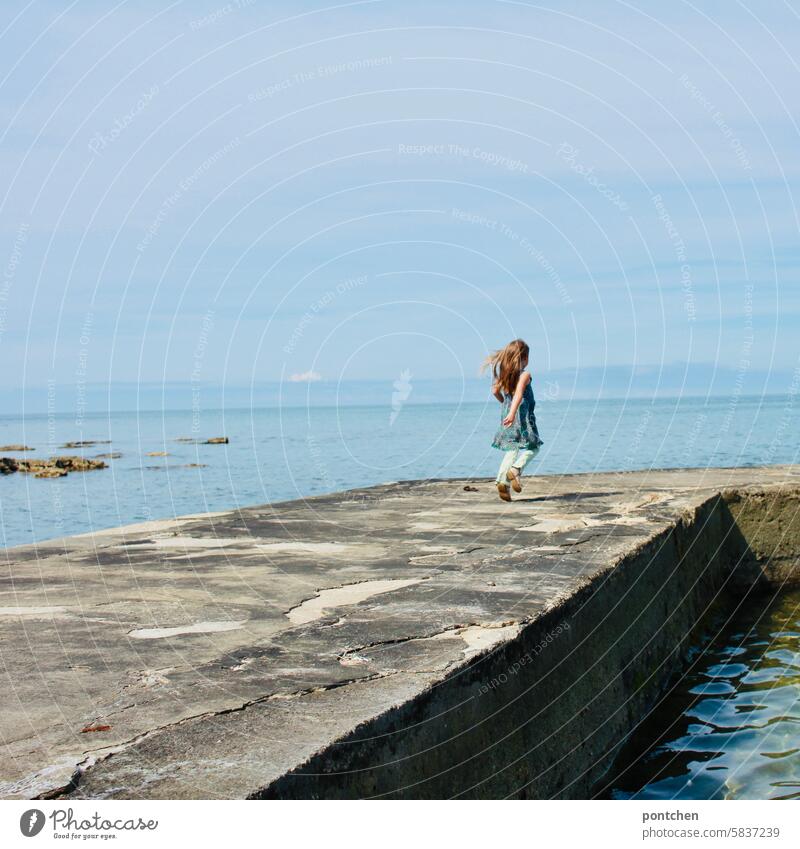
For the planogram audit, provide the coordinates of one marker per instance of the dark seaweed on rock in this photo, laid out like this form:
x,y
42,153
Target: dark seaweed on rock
x,y
53,467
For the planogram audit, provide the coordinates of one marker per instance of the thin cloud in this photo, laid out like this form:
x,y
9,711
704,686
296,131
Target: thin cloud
x,y
305,377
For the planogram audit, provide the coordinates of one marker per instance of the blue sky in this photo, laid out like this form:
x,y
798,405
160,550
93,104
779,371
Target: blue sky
x,y
233,193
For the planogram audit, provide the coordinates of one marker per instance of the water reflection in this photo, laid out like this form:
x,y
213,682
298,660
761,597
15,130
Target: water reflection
x,y
730,729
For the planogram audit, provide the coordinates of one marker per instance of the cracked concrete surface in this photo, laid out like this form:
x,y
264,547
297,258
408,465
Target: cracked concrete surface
x,y
226,650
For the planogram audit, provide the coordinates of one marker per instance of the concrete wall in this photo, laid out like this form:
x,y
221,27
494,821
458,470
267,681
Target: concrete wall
x,y
543,716
769,521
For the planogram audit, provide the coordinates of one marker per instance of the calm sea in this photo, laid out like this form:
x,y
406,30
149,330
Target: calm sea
x,y
276,454
729,728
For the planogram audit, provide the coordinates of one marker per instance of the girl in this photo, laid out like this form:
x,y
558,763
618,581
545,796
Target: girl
x,y
518,435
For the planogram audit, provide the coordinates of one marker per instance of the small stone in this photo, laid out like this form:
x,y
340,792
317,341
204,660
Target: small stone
x,y
86,443
354,660
15,448
158,454
56,467
8,465
51,472
217,440
470,488
77,464
89,729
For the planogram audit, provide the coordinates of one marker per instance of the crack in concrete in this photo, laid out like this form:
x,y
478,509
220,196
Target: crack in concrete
x,y
454,630
91,760
399,640
313,608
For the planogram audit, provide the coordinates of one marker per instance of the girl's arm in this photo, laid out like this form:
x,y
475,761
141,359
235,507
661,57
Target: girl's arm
x,y
524,380
497,393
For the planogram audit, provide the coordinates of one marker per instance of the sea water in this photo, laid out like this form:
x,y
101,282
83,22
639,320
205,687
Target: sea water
x,y
730,727
275,453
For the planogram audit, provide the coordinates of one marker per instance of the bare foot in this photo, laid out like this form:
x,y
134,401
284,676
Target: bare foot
x,y
513,476
502,491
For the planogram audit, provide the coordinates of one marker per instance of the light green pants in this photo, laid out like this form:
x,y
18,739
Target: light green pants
x,y
516,457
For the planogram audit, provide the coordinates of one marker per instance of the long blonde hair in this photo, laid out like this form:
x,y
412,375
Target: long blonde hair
x,y
507,364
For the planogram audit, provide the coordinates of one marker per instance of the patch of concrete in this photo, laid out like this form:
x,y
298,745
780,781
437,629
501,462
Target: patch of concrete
x,y
186,542
314,608
33,611
301,547
483,637
564,524
196,628
556,524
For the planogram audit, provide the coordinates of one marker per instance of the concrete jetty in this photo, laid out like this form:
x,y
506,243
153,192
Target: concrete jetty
x,y
417,639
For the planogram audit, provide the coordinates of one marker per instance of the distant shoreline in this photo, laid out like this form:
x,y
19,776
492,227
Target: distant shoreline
x,y
376,404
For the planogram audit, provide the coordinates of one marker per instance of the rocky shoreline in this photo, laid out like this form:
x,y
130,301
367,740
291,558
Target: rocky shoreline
x,y
53,467
61,465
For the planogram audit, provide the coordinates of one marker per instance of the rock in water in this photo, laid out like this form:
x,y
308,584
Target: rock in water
x,y
8,465
51,472
76,464
217,440
15,448
86,443
53,467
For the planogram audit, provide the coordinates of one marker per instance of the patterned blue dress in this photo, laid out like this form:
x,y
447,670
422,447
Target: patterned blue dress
x,y
523,433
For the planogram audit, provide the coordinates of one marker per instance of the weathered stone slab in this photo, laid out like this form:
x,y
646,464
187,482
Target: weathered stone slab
x,y
412,639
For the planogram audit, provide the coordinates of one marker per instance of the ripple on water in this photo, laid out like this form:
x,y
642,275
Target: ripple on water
x,y
725,670
712,688
785,656
728,730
